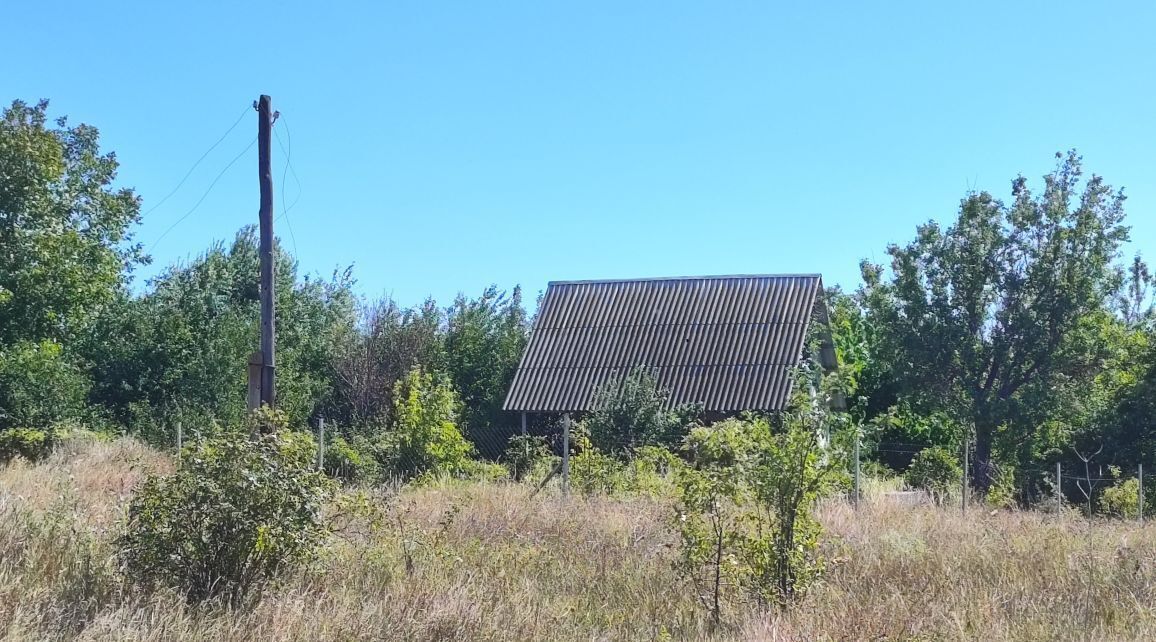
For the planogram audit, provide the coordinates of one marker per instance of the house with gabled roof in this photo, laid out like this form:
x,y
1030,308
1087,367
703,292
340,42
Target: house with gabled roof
x,y
728,343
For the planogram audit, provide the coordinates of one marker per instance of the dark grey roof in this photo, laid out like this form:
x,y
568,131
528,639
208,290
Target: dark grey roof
x,y
725,341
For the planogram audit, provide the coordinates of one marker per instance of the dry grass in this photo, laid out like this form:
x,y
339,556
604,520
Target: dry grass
x,y
491,563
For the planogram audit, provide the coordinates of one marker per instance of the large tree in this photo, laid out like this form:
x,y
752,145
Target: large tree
x,y
485,338
65,230
998,320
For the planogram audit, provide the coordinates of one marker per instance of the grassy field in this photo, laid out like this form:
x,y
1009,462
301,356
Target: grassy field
x,y
490,562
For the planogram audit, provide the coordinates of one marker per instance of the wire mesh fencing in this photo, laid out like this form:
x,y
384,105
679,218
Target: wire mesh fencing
x,y
1089,483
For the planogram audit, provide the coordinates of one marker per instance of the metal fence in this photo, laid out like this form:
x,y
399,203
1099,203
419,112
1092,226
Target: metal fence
x,y
1055,486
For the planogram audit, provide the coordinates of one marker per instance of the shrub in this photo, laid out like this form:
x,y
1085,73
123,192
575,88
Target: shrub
x,y
351,463
650,469
423,436
1122,498
39,386
23,442
525,454
632,411
745,508
238,509
710,513
937,471
483,471
593,473
789,476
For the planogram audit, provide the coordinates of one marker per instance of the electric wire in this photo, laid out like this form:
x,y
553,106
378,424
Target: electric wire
x,y
203,196
288,151
208,151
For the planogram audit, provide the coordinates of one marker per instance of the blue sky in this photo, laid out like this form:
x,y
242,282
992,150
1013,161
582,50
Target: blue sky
x,y
444,146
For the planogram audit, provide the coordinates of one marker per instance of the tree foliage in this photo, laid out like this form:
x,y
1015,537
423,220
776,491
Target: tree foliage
x,y
387,344
64,227
995,319
181,348
484,341
39,386
423,435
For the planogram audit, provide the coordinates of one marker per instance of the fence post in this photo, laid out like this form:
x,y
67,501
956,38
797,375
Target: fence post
x,y
1140,492
180,440
963,501
321,443
856,499
566,454
1059,494
524,431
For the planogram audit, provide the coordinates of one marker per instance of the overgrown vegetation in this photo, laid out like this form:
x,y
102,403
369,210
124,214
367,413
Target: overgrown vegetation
x,y
493,562
240,508
632,411
937,471
746,504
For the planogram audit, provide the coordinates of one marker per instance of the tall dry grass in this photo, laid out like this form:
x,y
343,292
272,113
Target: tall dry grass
x,y
490,562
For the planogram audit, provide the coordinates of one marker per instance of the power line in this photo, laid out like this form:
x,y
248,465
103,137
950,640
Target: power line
x,y
284,173
208,151
289,164
203,196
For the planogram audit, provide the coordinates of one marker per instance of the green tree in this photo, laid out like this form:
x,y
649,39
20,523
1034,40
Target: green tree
x,y
634,410
485,338
387,343
423,435
39,387
182,347
65,230
995,320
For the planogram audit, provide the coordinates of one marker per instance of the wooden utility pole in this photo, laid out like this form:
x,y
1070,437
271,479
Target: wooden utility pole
x,y
265,118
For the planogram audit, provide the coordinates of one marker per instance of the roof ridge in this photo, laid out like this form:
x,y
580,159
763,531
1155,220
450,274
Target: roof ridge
x,y
708,277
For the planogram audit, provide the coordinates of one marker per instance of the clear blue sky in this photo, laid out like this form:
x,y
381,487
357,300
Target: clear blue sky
x,y
444,146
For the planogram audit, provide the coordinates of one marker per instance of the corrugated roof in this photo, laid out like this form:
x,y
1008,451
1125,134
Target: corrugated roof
x,y
727,342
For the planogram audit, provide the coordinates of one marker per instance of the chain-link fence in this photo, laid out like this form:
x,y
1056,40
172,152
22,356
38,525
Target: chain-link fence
x,y
1086,482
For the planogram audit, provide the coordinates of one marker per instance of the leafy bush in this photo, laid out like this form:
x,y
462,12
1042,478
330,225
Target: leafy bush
x,y
525,454
351,463
745,508
595,473
23,442
937,471
632,411
791,473
423,436
650,470
238,509
39,386
1122,498
905,425
483,471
